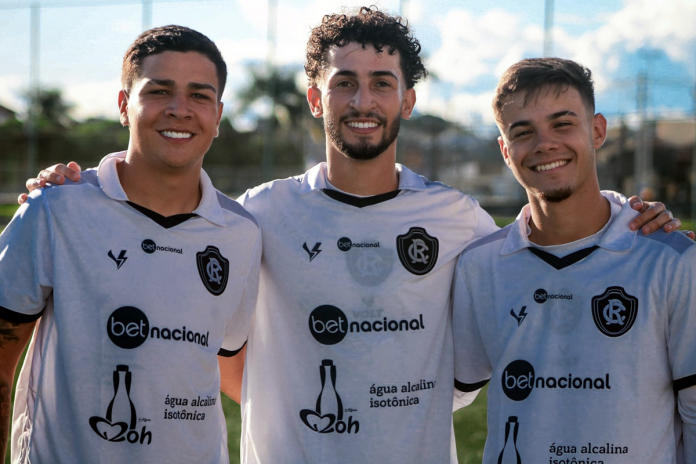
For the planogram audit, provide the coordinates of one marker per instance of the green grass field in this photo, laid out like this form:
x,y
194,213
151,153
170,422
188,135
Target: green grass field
x,y
469,423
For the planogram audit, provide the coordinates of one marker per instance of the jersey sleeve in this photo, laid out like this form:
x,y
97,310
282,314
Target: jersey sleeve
x,y
486,225
682,321
238,327
26,279
472,368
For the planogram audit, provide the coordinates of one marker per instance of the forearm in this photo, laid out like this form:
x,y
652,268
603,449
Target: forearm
x,y
231,374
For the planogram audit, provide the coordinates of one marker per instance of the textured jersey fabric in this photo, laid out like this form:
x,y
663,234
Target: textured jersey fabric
x,y
135,308
349,359
584,348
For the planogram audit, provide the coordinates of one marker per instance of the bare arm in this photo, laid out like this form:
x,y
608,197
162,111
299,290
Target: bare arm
x,y
13,339
231,373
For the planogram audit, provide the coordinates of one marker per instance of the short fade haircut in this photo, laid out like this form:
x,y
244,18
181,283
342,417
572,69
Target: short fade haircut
x,y
170,38
533,74
368,26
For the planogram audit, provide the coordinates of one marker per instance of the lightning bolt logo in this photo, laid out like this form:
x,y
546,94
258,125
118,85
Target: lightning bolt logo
x,y
314,252
519,317
120,260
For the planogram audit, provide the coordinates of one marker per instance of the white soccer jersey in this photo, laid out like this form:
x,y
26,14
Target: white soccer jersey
x,y
135,308
349,359
584,351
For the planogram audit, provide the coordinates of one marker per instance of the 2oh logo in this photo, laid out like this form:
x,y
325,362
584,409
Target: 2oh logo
x,y
148,246
540,296
344,244
328,324
128,327
518,380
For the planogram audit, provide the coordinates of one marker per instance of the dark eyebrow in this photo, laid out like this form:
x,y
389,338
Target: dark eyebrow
x,y
348,73
170,83
550,117
199,86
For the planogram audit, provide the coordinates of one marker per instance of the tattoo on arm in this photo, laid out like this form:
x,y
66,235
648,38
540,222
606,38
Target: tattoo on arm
x,y
5,416
8,332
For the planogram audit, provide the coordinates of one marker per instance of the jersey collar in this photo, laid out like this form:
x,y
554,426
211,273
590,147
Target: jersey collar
x,y
617,238
315,179
209,207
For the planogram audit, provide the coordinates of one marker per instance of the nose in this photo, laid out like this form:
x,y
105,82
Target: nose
x,y
363,101
545,142
178,106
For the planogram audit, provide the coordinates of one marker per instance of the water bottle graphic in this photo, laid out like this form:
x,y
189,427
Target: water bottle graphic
x,y
509,454
328,401
121,408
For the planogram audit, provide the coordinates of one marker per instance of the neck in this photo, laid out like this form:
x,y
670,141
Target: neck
x,y
569,220
170,193
364,178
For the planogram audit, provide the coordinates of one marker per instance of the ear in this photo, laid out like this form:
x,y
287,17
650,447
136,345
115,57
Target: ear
x,y
219,118
599,130
123,107
408,104
504,150
314,100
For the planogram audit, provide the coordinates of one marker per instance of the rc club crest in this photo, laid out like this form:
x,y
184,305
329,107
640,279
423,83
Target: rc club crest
x,y
614,311
417,251
213,269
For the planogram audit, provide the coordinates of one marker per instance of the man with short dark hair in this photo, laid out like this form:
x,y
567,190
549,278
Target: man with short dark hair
x,y
141,274
584,328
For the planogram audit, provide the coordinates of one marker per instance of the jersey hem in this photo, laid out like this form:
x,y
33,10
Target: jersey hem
x,y
228,354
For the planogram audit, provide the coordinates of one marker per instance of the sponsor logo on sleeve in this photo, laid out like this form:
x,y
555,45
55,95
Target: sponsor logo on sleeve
x,y
213,269
614,311
417,251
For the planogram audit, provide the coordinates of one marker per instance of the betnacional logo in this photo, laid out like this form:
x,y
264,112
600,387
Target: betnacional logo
x,y
417,251
614,311
149,246
345,244
519,379
128,328
541,296
213,269
329,325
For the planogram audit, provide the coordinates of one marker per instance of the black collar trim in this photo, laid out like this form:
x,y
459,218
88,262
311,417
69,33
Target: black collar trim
x,y
360,202
560,263
165,221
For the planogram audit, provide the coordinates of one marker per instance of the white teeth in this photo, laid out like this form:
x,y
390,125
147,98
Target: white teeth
x,y
363,125
176,135
546,167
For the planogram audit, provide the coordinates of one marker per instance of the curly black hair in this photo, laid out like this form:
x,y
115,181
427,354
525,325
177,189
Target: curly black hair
x,y
368,26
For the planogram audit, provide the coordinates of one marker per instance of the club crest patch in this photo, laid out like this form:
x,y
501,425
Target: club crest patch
x,y
614,311
213,269
417,251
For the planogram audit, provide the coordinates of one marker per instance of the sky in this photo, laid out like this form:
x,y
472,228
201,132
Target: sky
x,y
467,44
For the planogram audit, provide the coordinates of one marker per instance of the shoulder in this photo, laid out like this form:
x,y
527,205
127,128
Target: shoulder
x,y
230,206
675,242
259,199
489,243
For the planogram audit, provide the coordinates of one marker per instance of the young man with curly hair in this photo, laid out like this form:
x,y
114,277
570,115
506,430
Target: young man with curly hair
x,y
350,355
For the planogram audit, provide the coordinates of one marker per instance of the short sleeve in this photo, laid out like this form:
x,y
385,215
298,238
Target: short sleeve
x,y
26,279
682,321
486,224
472,368
238,328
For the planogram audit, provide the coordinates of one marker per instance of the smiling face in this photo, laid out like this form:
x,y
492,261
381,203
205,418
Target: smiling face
x,y
172,109
362,97
549,143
